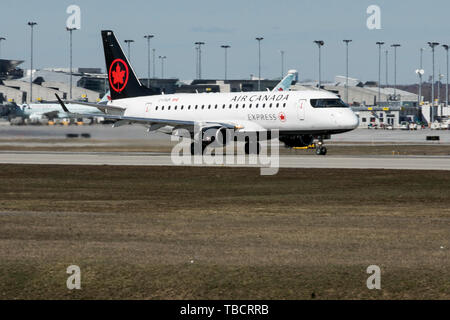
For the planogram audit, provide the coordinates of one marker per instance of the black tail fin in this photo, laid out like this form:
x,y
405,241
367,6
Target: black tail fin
x,y
123,82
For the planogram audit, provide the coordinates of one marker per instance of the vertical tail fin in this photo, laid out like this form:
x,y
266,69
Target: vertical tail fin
x,y
287,81
123,82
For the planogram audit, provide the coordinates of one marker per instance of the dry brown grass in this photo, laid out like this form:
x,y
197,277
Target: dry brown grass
x,y
223,233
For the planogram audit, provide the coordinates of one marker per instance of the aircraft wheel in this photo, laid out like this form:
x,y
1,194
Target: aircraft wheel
x,y
247,148
321,151
204,145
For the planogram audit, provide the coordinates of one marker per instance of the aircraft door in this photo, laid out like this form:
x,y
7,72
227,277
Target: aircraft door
x,y
148,107
301,105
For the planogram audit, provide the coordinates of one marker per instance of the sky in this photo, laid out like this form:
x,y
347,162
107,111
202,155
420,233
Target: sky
x,y
288,25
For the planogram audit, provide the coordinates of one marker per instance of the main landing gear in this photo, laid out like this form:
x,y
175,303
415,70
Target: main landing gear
x,y
251,147
193,148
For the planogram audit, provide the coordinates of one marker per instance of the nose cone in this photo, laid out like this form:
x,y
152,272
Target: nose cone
x,y
353,121
346,120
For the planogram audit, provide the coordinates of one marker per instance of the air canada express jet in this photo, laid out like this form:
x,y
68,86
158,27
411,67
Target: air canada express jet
x,y
301,117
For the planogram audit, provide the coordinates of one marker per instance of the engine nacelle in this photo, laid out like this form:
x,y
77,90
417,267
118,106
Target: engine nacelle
x,y
218,135
300,140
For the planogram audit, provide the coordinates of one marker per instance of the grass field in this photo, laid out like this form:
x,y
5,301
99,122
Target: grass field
x,y
223,233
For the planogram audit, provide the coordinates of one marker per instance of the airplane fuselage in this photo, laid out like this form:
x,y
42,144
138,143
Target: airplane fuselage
x,y
289,112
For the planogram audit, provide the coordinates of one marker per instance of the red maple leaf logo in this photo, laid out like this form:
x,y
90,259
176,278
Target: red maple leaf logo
x,y
118,75
282,117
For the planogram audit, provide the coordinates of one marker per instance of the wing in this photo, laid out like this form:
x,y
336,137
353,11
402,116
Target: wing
x,y
108,109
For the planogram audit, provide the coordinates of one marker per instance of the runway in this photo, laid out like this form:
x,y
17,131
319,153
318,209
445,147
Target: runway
x,y
284,161
136,132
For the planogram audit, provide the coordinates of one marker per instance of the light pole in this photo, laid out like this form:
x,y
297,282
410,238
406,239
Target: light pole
x,y
70,36
395,46
379,43
432,113
148,37
320,43
1,38
440,76
129,42
31,24
199,57
282,63
225,47
421,73
446,86
154,57
346,69
259,61
196,60
162,65
387,68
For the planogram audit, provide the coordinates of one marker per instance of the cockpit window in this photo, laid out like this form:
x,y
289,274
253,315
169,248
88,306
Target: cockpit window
x,y
328,103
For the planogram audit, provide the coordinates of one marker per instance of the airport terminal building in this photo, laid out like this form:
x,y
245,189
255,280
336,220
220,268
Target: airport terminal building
x,y
88,83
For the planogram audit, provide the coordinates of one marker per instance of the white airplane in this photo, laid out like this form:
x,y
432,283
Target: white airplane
x,y
299,116
36,111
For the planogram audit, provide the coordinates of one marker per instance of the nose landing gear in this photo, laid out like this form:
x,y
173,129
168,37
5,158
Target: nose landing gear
x,y
321,150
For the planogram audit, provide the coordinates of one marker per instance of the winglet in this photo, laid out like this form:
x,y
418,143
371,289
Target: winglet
x,y
62,104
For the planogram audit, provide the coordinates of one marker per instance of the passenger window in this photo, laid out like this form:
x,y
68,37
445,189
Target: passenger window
x,y
175,108
209,106
250,106
196,107
223,107
203,107
243,106
162,108
156,108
